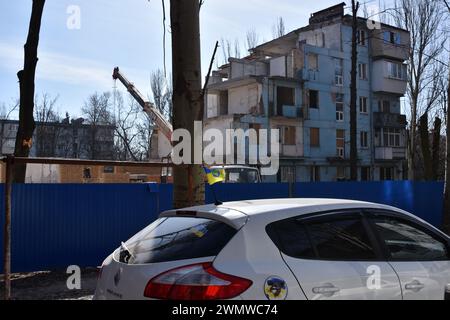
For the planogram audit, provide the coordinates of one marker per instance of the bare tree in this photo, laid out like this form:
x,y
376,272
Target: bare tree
x,y
162,93
125,122
227,50
47,129
279,29
252,39
96,111
421,18
27,89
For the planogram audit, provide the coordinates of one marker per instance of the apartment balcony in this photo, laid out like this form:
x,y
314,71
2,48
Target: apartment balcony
x,y
389,153
392,44
384,80
389,120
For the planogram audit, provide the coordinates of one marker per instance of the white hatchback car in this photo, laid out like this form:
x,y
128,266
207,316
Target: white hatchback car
x,y
292,249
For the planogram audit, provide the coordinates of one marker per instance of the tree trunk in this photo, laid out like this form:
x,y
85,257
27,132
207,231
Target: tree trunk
x,y
412,145
425,147
354,97
436,147
189,186
26,83
446,220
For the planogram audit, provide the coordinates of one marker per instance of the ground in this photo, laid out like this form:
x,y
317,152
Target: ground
x,y
50,285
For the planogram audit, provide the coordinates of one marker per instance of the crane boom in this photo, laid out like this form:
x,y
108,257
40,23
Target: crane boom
x,y
163,125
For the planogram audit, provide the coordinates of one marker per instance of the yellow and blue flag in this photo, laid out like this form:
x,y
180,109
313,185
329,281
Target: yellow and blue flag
x,y
214,175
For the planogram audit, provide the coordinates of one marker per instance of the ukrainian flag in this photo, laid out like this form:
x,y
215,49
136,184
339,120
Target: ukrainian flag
x,y
214,175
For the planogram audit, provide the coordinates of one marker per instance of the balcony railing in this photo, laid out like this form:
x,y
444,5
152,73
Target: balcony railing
x,y
390,153
390,120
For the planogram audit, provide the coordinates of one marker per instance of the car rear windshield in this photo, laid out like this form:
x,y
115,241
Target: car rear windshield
x,y
177,238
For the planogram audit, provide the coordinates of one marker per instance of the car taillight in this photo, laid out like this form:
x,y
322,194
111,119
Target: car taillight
x,y
196,282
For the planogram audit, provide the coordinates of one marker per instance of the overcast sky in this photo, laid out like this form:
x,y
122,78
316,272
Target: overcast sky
x,y
73,63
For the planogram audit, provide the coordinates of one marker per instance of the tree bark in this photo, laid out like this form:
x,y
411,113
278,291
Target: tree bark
x,y
354,96
189,186
27,89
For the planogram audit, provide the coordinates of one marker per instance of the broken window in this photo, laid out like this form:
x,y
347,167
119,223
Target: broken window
x,y
223,103
315,137
285,97
313,99
391,37
289,136
361,40
313,61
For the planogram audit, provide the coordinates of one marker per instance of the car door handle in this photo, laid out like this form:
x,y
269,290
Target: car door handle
x,y
415,286
327,290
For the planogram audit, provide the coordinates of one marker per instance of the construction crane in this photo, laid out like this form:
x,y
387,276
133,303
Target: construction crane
x,y
161,123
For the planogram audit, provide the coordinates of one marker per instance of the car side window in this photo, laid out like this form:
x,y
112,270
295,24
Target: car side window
x,y
341,239
331,238
406,241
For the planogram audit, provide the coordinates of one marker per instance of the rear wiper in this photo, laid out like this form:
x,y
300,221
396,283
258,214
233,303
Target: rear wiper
x,y
125,254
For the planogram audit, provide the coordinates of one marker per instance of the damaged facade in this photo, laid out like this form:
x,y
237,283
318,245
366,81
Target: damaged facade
x,y
300,84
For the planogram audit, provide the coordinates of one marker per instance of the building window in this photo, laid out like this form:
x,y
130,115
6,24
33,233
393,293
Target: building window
x,y
289,136
364,139
391,137
397,70
313,61
391,37
285,97
287,174
363,105
362,70
87,173
313,99
315,174
108,169
362,38
339,78
340,143
340,174
339,107
386,174
315,137
365,173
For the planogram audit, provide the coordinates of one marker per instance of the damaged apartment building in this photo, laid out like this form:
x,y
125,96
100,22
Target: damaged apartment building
x,y
300,84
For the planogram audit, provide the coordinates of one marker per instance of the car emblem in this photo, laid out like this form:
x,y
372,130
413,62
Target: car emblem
x,y
275,288
117,277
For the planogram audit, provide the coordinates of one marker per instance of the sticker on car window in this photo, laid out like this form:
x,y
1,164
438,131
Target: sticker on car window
x,y
200,231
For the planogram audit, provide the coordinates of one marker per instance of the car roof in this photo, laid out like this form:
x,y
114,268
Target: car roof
x,y
237,213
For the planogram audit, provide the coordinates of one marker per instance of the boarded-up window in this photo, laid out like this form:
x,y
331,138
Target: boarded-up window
x,y
313,99
285,97
315,137
289,135
313,61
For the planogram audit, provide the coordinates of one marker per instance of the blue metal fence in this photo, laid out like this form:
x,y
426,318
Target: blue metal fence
x,y
54,226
